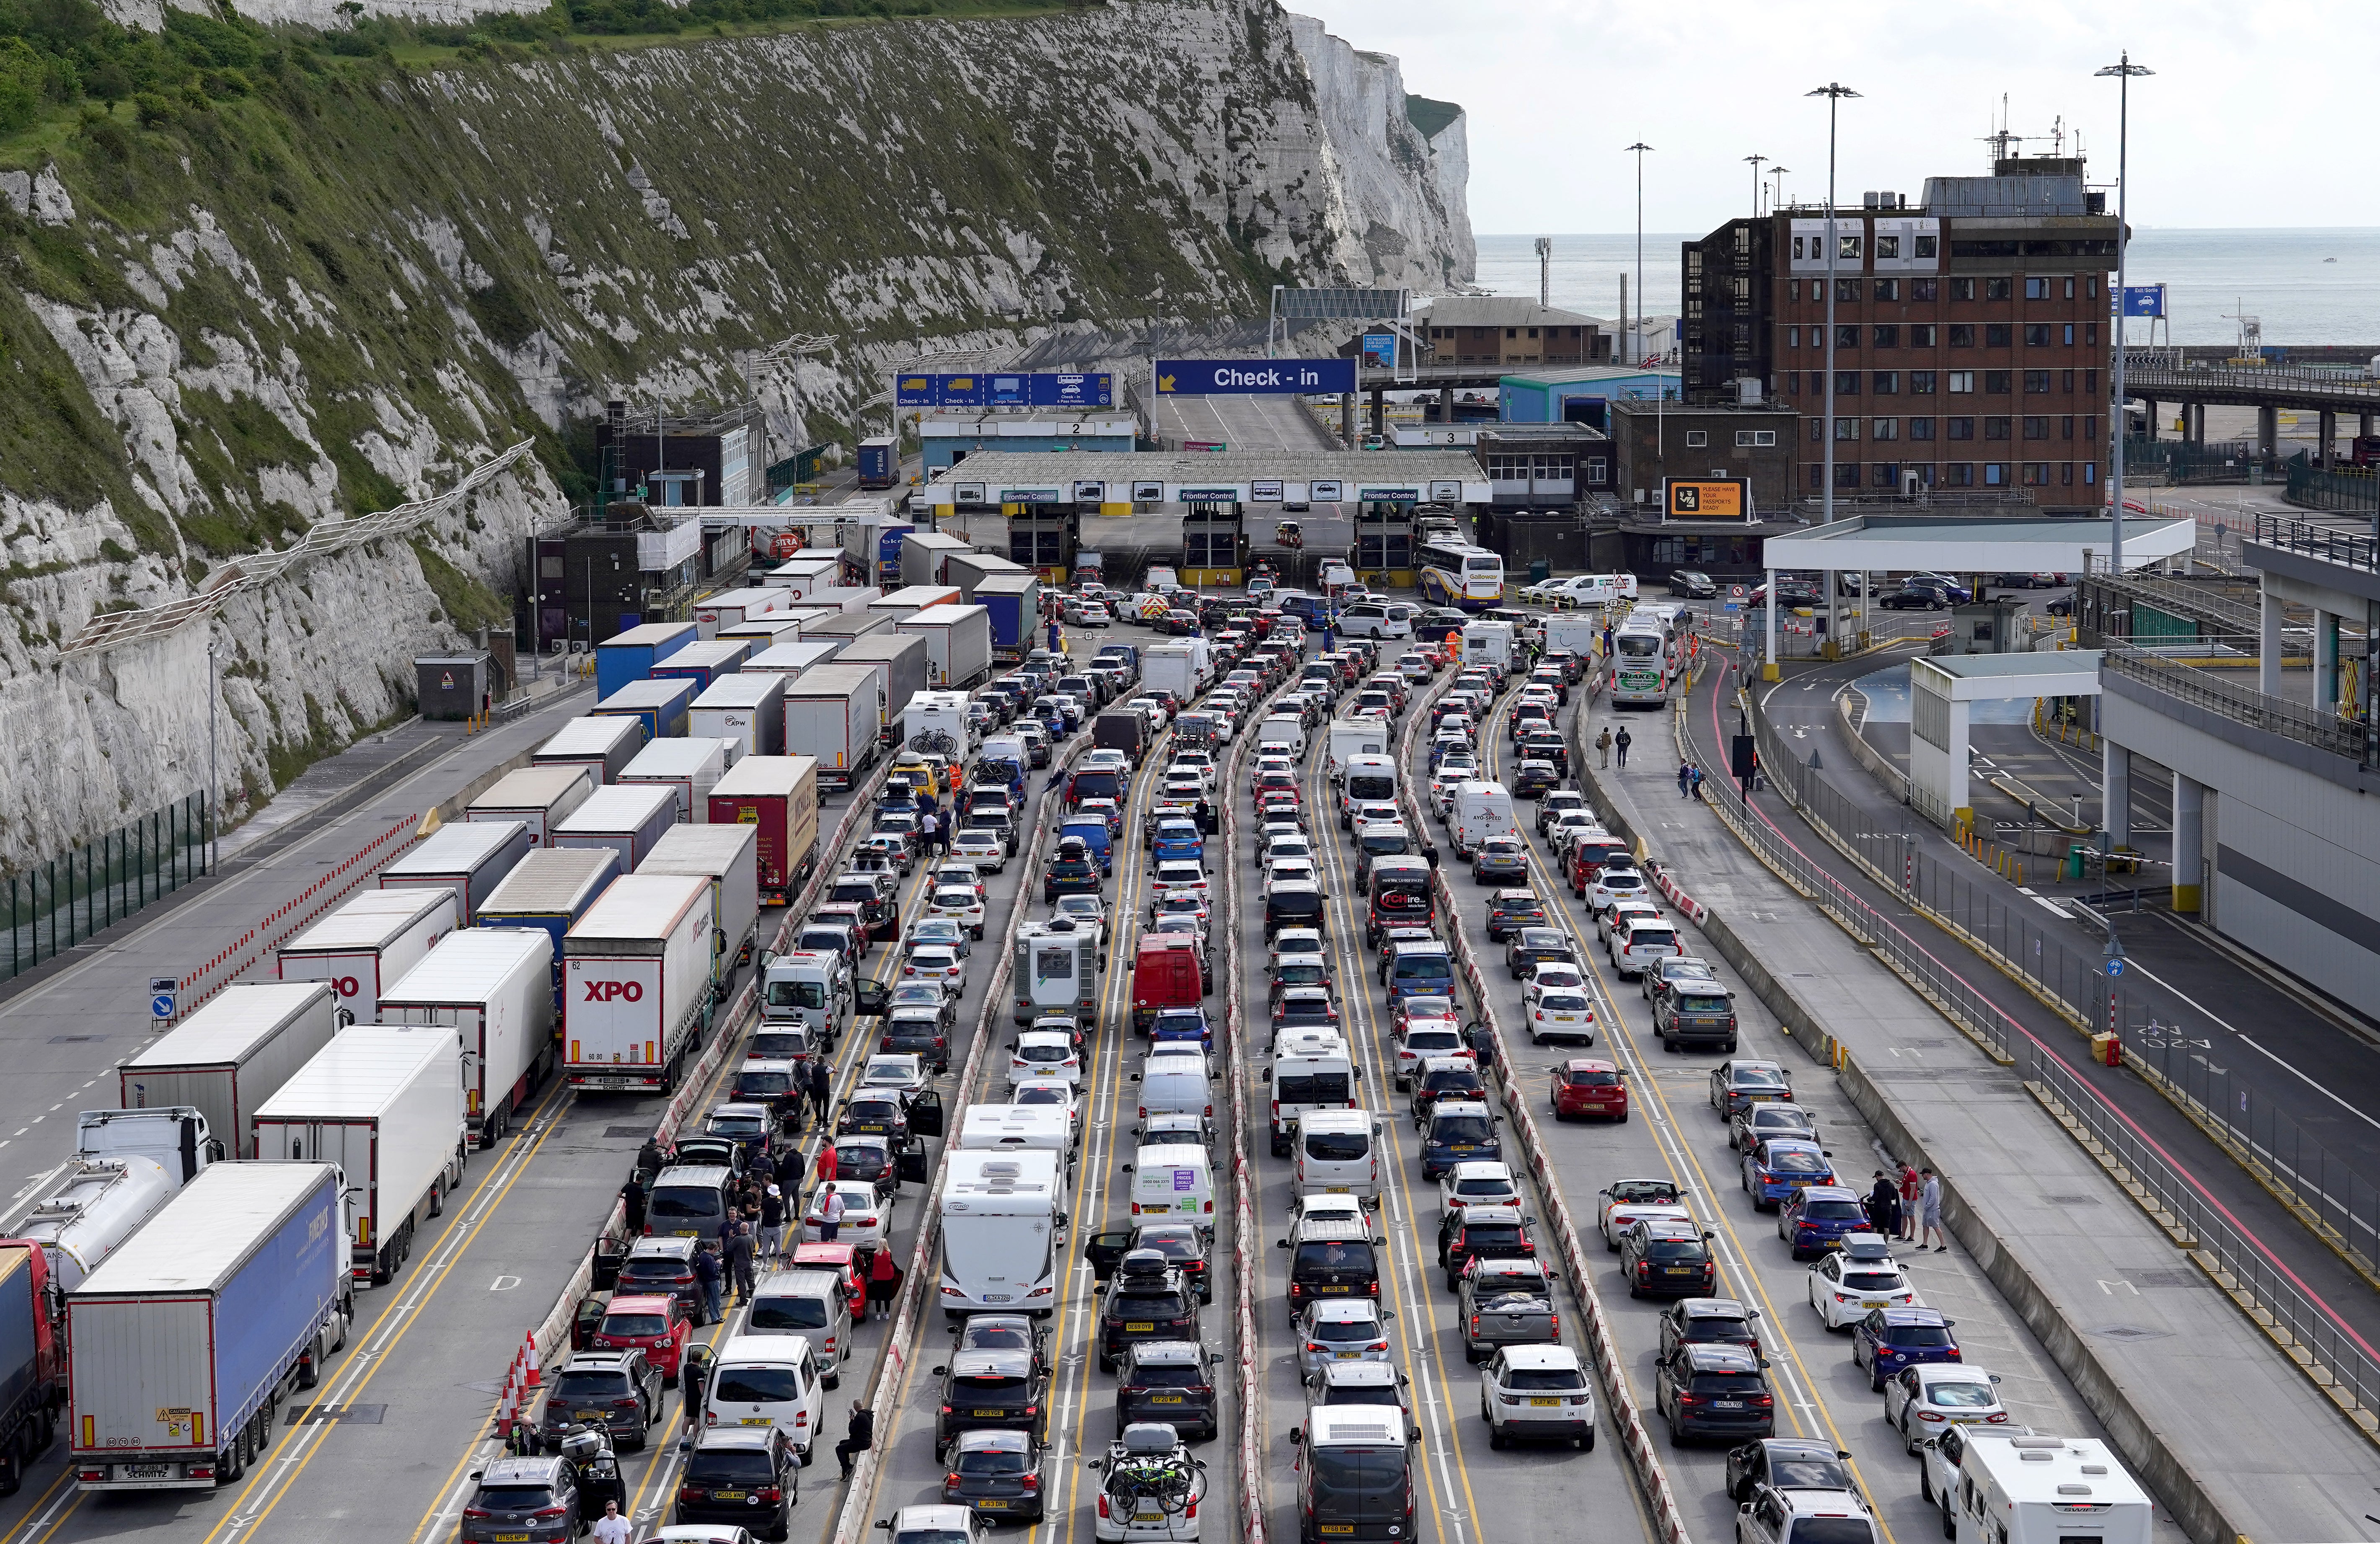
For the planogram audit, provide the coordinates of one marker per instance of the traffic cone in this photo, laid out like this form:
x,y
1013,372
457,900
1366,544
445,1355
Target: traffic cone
x,y
529,1356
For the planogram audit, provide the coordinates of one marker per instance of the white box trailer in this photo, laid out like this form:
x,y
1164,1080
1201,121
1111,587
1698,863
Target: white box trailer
x,y
177,1344
494,986
791,660
726,611
850,598
749,708
385,1105
601,745
690,766
470,858
966,570
938,713
626,817
899,660
834,714
1178,666
801,575
998,1209
763,633
366,944
540,797
958,643
729,857
636,992
233,1054
925,553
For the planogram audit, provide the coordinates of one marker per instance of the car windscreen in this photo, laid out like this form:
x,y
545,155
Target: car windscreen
x,y
1917,1335
1336,1147
684,1202
797,994
1793,1161
1540,1379
1591,1078
1372,785
1462,1129
1833,1530
730,1469
1492,1235
1961,1396
1175,1377
589,1387
762,1085
788,1313
665,1271
1727,1382
1674,1248
755,1385
1650,937
1386,844
862,891
1295,903
1343,1330
514,1498
993,1460
1700,1002
1792,1472
1302,975
1637,646
624,1324
1833,1210
1311,1087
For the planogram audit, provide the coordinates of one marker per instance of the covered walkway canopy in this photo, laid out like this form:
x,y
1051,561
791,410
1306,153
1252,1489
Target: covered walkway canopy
x,y
1274,477
1941,693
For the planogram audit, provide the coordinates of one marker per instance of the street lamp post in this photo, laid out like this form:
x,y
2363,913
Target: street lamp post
x,y
1639,148
1755,161
1834,93
1777,188
214,680
2123,70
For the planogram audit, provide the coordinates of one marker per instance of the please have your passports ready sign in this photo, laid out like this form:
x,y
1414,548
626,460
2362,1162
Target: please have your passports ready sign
x,y
1242,377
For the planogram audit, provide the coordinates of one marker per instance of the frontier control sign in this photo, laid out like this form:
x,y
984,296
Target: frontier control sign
x,y
1219,378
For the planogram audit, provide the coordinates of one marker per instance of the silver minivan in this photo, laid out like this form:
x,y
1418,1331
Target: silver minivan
x,y
813,1304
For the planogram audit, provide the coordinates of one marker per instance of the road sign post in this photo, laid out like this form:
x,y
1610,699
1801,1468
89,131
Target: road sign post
x,y
161,995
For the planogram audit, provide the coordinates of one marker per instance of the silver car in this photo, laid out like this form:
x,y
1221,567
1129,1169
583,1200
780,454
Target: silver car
x,y
1341,1330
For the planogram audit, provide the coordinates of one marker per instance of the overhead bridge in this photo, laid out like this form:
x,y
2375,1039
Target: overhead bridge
x,y
2270,392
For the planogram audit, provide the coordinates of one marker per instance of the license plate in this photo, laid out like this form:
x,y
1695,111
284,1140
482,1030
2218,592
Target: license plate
x,y
1165,1399
1547,1403
727,1495
1334,1289
159,1471
510,1537
1160,1516
1677,1270
1335,1190
988,1415
1727,1405
991,1503
611,1083
1875,1302
1348,1355
998,1296
755,1421
1132,1329
586,1414
1338,1528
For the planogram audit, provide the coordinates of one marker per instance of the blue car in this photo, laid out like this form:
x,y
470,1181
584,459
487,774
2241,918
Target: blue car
x,y
1890,1339
1180,840
1093,834
1457,1131
1183,1024
1815,1217
1774,1169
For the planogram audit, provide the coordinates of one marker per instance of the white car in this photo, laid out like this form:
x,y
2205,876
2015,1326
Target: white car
x,y
1925,1401
981,846
1107,759
1045,1055
1551,975
1341,1330
1197,763
934,962
1605,921
1621,1204
961,905
1087,910
950,871
1536,1393
1637,942
1183,791
1343,1207
1613,885
1560,1013
1180,876
1155,709
1052,1091
1842,1289
1567,828
901,1070
1295,845
1477,1182
1424,1038
1294,941
1290,871
864,1219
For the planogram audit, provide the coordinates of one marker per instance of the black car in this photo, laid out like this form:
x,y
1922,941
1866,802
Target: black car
x,y
1667,1257
1714,1391
1694,1013
663,1265
1472,1233
620,1391
747,1476
1915,597
1437,626
1072,873
771,1083
1531,946
1548,748
1787,1464
1534,776
1294,905
1708,1321
1330,1257
919,1031
708,1150
1146,1300
988,1388
1169,1380
1443,1077
1510,910
534,1499
1184,1245
1692,583
999,1474
874,1113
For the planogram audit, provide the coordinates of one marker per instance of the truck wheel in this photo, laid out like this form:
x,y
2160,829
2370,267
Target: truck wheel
x,y
12,1471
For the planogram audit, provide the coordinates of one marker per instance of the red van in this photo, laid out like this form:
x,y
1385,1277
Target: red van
x,y
1165,974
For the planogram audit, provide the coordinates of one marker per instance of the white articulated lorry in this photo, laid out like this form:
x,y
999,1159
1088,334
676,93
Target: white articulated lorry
x,y
494,986
470,858
232,1055
367,944
385,1105
635,987
729,858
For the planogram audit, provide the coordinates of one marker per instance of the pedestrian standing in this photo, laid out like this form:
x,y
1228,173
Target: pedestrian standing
x,y
694,1384
857,1439
1603,748
1929,1213
707,1276
830,1213
632,1198
884,1282
1883,1197
1055,636
1694,782
1909,1189
790,1165
1686,776
772,1221
1607,640
1620,742
740,1247
821,1091
611,1527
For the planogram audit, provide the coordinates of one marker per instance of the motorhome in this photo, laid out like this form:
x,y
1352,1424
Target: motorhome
x,y
1001,1215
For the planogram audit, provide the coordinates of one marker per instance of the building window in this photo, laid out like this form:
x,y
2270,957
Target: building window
x,y
1996,335
1958,474
1533,332
1962,334
1847,289
2066,381
1996,382
2066,426
2036,427
1959,428
1793,338
1599,471
2036,382
2091,426
1697,439
1995,473
1963,289
1886,382
1921,384
1794,286
1748,437
2036,334
1884,429
1887,289
2090,383
1885,337
1962,382
1797,248
1847,248
1818,475
1921,429
1847,475
2036,289
1924,289
2037,473
2066,468
1924,335
2070,330
2090,473
1998,289
1847,336
1793,382
1883,473
1846,428
1847,384
1886,247
2069,294
1927,247
2091,287
1998,428
2090,334
1817,430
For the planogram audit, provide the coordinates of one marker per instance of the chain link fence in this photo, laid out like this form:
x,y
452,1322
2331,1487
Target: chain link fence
x,y
56,905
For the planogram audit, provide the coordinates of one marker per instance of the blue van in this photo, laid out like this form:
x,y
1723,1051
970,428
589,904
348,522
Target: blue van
x,y
1093,833
1180,839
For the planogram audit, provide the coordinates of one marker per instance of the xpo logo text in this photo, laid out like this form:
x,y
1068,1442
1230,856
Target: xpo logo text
x,y
615,991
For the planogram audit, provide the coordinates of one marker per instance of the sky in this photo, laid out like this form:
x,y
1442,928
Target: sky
x,y
2250,120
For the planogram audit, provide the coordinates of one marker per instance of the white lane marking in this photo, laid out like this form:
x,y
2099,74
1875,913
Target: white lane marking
x,y
2275,1058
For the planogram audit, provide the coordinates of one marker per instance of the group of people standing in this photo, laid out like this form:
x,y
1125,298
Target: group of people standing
x,y
1906,1205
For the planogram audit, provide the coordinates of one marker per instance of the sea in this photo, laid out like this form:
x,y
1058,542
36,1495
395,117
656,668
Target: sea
x,y
2303,286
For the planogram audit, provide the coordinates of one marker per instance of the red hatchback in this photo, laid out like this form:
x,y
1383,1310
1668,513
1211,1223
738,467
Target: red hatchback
x,y
657,1326
1585,1086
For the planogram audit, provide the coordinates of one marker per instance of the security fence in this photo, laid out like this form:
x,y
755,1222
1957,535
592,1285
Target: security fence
x,y
56,905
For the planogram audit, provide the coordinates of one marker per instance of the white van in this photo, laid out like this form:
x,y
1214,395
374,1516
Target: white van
x,y
814,1305
809,987
1319,1080
1172,1183
1283,729
1337,1152
1481,810
2050,1491
1175,1086
1001,1215
768,1380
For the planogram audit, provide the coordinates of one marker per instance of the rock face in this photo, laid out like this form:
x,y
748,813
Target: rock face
x,y
244,319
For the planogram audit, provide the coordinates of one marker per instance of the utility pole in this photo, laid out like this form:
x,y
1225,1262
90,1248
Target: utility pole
x,y
1755,161
1834,93
2123,70
214,691
1544,270
1638,149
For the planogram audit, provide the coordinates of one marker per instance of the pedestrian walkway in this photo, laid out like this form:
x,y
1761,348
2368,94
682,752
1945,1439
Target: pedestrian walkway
x,y
2223,1430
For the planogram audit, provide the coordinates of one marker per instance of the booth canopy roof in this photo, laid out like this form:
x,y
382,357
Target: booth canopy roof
x,y
1953,545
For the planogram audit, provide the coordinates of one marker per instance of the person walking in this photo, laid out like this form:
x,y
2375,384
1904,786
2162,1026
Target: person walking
x,y
1911,1187
1686,776
707,1276
1694,782
1620,742
858,1438
740,1245
1603,748
883,1284
611,1527
772,1222
831,1212
632,1201
1929,1213
822,1093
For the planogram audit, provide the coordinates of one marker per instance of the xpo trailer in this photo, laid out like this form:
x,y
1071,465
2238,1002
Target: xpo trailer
x,y
636,988
600,745
385,1105
748,709
539,797
179,1344
834,714
688,768
469,860
550,891
233,1054
494,986
367,944
728,856
626,817
777,796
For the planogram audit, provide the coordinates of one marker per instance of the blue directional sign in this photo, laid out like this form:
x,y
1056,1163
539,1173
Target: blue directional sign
x,y
161,996
2145,300
2116,966
1262,377
1007,389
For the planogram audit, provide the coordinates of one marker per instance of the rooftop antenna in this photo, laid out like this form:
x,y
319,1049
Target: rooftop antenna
x,y
1545,272
2058,135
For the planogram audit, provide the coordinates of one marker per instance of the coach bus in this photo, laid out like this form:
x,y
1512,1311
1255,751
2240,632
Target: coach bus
x,y
1643,664
1457,573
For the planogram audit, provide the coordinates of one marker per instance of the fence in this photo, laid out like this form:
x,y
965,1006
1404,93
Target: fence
x,y
2238,701
2347,492
56,905
2326,542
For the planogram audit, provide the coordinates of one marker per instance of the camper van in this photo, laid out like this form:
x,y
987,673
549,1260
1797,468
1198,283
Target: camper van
x,y
2049,1490
1003,1214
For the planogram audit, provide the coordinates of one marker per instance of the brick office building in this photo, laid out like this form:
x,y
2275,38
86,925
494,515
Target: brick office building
x,y
1971,335
1508,330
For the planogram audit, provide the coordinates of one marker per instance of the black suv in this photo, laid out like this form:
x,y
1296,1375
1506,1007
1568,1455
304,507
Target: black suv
x,y
1147,1299
875,897
1714,1391
1531,947
1669,1258
1331,1258
1070,872
663,1265
618,1390
1469,1232
748,1477
990,1388
1510,911
1184,1245
536,1499
1443,1077
1169,1380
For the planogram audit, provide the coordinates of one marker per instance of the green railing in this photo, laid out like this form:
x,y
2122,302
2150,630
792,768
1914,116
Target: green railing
x,y
2347,492
53,906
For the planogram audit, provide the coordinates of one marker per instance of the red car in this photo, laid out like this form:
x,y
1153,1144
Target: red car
x,y
657,1326
1588,1086
843,1259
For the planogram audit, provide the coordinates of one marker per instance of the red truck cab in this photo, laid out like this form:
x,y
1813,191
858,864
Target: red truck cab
x,y
1165,974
